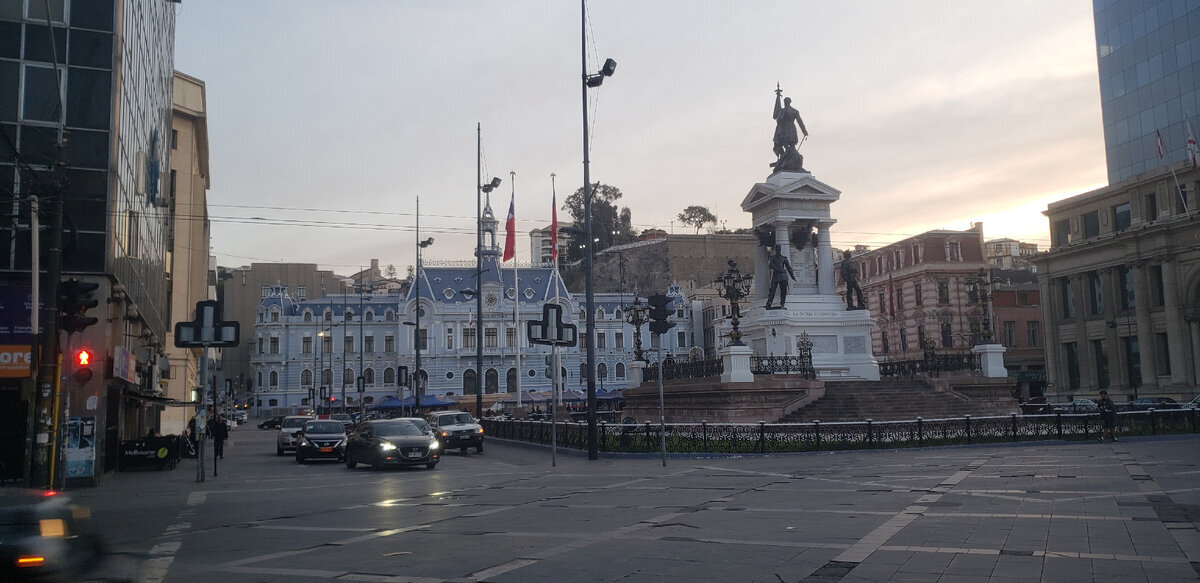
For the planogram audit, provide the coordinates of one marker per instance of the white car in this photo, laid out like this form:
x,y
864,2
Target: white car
x,y
285,440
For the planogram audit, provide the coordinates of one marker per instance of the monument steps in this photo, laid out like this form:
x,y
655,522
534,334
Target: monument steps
x,y
892,400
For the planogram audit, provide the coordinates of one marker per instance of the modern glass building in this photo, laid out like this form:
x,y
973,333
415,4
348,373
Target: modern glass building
x,y
1149,61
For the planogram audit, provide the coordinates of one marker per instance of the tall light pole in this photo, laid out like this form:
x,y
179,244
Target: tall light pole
x,y
480,189
419,391
589,81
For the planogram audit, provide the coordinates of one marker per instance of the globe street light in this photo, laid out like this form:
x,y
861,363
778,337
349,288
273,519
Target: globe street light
x,y
636,314
734,286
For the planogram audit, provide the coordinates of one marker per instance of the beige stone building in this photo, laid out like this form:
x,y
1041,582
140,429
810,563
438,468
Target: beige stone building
x,y
188,235
1120,288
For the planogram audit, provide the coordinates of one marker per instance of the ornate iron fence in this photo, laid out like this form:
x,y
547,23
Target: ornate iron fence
x,y
683,369
765,438
932,364
782,365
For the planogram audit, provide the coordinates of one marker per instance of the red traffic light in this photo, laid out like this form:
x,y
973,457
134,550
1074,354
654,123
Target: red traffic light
x,y
83,366
83,357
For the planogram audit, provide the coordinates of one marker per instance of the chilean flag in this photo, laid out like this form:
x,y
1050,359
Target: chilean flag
x,y
554,228
510,228
1162,150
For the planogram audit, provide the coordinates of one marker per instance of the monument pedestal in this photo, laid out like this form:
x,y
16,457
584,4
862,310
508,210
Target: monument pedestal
x,y
991,360
735,361
841,338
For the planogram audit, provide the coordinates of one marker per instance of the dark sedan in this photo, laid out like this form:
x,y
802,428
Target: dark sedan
x,y
43,537
272,423
391,442
1147,403
321,438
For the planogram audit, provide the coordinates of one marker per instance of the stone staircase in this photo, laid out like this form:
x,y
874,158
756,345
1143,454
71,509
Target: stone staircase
x,y
893,400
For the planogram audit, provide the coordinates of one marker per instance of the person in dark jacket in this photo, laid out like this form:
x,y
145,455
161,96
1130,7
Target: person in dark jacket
x,y
1108,416
219,431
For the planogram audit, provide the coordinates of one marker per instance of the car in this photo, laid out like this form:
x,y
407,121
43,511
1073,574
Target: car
x,y
285,440
1147,403
239,416
1077,406
272,423
44,537
1193,404
1035,406
321,438
420,423
456,429
391,442
344,418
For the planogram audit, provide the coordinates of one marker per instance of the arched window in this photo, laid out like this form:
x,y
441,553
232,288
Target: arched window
x,y
620,370
369,377
602,371
349,316
260,379
328,315
368,400
510,381
470,382
618,315
369,316
491,381
307,316
274,315
599,313
306,377
347,378
326,377
582,372
389,376
274,379
273,403
390,316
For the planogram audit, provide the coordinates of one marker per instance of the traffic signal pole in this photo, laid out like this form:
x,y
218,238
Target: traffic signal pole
x,y
43,442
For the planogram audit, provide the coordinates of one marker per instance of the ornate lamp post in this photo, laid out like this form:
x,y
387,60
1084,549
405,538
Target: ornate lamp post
x,y
734,286
636,314
980,291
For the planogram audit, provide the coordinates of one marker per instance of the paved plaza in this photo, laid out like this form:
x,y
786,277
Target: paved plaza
x,y
1053,511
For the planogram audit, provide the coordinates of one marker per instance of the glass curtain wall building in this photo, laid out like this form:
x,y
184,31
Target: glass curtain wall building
x,y
1149,63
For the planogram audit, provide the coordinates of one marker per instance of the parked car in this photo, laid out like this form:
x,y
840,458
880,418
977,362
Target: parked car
x,y
285,440
321,438
1036,406
44,537
239,416
391,442
456,429
272,423
1147,403
1193,404
1078,406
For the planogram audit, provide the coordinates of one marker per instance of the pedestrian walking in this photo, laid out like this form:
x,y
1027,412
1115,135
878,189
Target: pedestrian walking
x,y
219,432
1108,417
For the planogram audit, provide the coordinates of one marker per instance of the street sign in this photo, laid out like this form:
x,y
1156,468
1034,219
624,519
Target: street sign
x,y
551,329
207,329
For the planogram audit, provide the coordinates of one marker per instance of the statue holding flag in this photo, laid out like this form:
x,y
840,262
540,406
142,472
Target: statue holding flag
x,y
786,117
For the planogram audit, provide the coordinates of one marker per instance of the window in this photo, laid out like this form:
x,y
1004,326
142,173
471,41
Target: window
x,y
274,379
1162,354
306,345
681,339
369,377
900,297
390,316
1133,359
943,291
620,371
347,378
306,378
1101,364
327,344
348,344
921,337
903,340
916,254
389,376
510,336
954,251
423,339
275,402
389,344
491,338
449,338
1010,334
601,340
1149,207
274,345
917,299
266,290
1156,285
884,335
1095,293
1066,297
174,139
882,303
368,344
274,315
328,317
619,342
349,316
947,335
1072,357
599,313
1034,330
1122,217
468,338
260,351
301,293
173,179
307,316
1125,287
1181,200
1091,224
1060,233
602,371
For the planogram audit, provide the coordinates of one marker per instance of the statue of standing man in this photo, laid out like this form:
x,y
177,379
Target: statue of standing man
x,y
786,138
781,270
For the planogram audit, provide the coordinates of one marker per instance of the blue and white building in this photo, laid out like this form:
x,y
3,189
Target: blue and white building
x,y
331,341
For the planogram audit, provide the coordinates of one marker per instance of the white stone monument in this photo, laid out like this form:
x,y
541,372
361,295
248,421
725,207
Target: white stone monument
x,y
791,210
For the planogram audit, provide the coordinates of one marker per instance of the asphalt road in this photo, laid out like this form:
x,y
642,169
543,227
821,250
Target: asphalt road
x,y
1125,511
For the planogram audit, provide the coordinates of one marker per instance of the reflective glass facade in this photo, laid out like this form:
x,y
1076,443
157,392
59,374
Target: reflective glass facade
x,y
1149,63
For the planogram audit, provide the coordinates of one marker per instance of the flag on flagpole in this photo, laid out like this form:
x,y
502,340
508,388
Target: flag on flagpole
x,y
510,228
471,319
1162,150
554,229
1192,150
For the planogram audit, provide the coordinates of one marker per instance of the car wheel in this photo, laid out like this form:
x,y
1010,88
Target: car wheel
x,y
350,463
479,448
278,450
462,449
432,466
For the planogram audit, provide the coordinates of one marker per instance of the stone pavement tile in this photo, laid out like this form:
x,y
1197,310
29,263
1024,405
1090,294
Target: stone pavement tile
x,y
1021,567
1170,572
894,558
878,572
1061,570
972,564
1114,570
953,578
927,563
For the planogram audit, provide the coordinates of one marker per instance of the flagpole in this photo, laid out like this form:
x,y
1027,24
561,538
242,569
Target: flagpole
x,y
512,176
555,391
1171,167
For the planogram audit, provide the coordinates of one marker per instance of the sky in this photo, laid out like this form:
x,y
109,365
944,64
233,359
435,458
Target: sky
x,y
328,120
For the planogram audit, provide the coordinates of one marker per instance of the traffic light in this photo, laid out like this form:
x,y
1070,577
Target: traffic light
x,y
659,312
74,300
402,374
550,366
83,359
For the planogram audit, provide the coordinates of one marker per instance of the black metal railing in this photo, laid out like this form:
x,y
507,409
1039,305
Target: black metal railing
x,y
782,365
683,369
932,364
763,438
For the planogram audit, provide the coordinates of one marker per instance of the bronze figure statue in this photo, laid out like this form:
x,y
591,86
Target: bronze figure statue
x,y
786,138
850,276
781,270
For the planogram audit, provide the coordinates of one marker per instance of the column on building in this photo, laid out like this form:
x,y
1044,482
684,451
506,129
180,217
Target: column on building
x,y
1176,333
805,260
1144,327
825,283
1051,316
1083,347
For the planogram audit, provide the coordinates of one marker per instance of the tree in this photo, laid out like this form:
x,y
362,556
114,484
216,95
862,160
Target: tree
x,y
610,225
697,216
390,271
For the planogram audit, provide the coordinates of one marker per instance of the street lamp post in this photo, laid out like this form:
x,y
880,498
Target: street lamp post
x,y
980,291
590,81
418,390
635,314
734,286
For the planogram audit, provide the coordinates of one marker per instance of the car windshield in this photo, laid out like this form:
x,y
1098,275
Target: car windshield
x,y
420,423
455,419
323,427
340,416
397,428
295,422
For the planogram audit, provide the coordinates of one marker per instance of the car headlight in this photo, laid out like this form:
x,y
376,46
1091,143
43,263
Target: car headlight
x,y
479,431
341,443
304,442
387,446
434,444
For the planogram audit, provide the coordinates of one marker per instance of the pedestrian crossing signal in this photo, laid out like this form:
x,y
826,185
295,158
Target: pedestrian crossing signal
x,y
83,366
